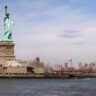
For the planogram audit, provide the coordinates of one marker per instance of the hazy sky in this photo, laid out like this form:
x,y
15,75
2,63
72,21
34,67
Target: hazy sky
x,y
53,30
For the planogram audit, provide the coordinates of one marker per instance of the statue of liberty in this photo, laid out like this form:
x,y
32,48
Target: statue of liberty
x,y
7,27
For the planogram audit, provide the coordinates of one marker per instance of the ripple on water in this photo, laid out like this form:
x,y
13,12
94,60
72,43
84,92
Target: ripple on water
x,y
47,87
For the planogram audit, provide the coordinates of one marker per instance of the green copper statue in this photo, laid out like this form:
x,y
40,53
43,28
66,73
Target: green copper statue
x,y
7,27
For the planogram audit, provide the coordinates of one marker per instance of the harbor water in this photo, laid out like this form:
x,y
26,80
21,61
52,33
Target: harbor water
x,y
48,87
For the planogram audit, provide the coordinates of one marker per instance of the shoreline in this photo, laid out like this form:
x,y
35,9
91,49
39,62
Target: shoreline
x,y
43,76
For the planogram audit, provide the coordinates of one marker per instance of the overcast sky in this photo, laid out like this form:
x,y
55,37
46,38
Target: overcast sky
x,y
54,30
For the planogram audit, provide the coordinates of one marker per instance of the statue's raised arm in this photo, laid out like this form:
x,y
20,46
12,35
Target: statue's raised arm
x,y
7,26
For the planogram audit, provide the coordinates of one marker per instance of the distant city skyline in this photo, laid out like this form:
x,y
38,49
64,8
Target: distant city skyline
x,y
54,30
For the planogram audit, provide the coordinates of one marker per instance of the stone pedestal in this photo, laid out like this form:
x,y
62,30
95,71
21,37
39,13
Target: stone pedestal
x,y
7,50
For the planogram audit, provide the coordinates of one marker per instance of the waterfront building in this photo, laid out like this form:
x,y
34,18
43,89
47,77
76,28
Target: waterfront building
x,y
38,66
70,62
80,65
66,65
57,68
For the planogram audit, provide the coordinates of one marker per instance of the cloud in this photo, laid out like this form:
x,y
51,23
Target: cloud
x,y
70,34
79,43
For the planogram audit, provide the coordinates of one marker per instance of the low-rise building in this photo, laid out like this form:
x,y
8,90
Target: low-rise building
x,y
11,69
38,66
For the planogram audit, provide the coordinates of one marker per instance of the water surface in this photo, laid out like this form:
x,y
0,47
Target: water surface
x,y
47,87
